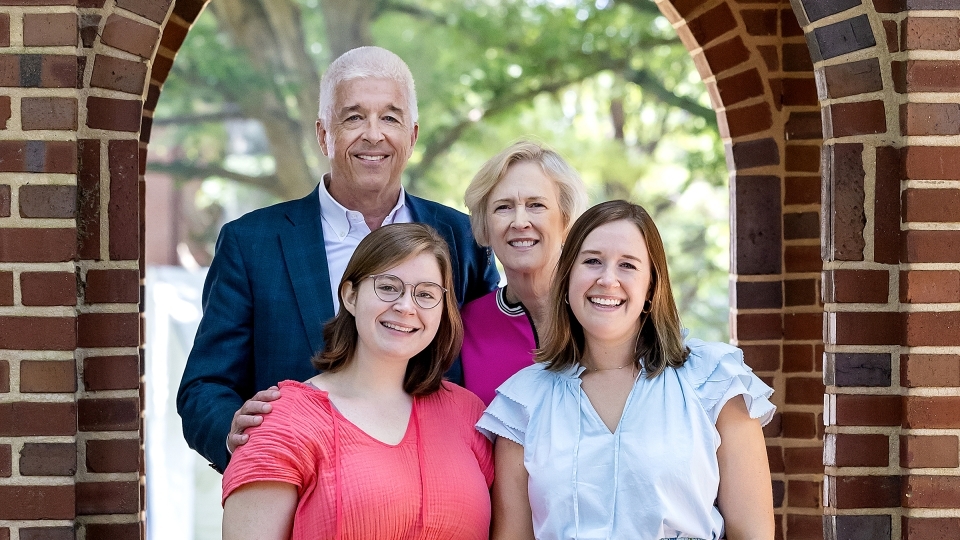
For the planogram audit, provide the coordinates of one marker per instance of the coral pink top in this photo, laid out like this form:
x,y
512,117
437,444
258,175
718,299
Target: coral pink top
x,y
433,484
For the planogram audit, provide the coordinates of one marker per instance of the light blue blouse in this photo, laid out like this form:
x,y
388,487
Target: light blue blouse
x,y
655,477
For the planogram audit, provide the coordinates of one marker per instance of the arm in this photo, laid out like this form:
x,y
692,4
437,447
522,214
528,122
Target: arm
x,y
746,497
260,511
512,517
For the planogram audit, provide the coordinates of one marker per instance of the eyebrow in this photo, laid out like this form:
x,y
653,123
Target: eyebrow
x,y
507,199
595,252
358,108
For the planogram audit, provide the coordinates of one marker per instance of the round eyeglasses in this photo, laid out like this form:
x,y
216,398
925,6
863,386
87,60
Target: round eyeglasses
x,y
389,288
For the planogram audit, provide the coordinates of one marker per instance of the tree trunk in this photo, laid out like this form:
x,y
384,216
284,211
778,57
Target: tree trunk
x,y
348,24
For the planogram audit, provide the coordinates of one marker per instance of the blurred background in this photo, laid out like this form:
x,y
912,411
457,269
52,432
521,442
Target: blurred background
x,y
607,83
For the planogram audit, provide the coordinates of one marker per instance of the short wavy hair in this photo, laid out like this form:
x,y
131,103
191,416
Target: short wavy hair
x,y
379,251
572,192
365,63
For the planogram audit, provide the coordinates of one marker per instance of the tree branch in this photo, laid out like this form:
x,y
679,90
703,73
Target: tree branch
x,y
643,6
651,84
188,170
414,11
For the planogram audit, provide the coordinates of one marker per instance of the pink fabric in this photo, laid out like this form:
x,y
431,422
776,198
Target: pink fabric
x,y
498,341
434,484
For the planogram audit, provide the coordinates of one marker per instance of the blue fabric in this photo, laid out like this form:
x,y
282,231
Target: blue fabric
x,y
265,301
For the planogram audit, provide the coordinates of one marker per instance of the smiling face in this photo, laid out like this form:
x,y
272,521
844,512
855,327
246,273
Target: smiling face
x,y
399,329
369,138
609,282
524,221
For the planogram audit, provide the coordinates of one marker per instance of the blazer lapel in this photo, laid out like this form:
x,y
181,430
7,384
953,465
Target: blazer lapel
x,y
306,260
423,213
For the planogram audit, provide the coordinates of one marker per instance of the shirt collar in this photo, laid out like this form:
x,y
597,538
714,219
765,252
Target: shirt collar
x,y
338,216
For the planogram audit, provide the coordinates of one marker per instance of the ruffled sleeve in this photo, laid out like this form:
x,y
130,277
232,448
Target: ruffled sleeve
x,y
509,413
717,372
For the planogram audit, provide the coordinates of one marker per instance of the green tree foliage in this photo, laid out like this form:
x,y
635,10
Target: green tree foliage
x,y
607,83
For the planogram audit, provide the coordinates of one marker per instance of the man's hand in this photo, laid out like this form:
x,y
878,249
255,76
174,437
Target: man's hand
x,y
248,416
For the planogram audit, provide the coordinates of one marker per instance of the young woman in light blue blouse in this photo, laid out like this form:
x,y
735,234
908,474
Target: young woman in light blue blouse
x,y
623,429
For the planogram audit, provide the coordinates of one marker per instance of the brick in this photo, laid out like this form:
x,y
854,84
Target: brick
x,y
726,55
844,202
867,410
796,58
113,114
89,29
10,70
856,450
6,461
161,68
801,225
847,492
4,201
48,113
931,33
818,9
889,6
153,95
747,120
771,56
114,531
858,369
113,455
803,460
46,459
758,294
189,9
804,126
107,498
931,491
929,286
926,76
124,200
858,118
930,119
802,158
48,289
804,527
774,428
865,328
799,259
918,528
749,154
761,357
48,376
108,414
932,163
789,25
59,71
931,205
932,329
37,502
853,78
88,199
4,30
799,425
857,286
20,419
803,494
930,4
112,286
876,527
46,201
49,29
4,376
108,330
930,370
130,36
940,412
38,333
155,10
111,373
740,87
119,74
798,358
800,292
891,32
47,533
886,206
6,288
712,24
844,37
760,22
803,326
804,391
756,225
755,326
917,452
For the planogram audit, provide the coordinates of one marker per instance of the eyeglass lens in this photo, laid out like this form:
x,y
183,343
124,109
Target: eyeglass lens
x,y
426,294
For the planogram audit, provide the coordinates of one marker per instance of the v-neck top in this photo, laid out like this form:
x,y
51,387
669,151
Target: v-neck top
x,y
656,476
433,484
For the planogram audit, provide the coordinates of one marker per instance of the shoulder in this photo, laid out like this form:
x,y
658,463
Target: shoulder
x,y
706,356
481,305
530,383
271,216
429,211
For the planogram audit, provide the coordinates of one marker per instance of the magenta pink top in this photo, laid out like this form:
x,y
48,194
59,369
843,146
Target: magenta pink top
x,y
498,341
433,484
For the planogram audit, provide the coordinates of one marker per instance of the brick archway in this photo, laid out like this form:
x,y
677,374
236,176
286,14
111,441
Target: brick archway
x,y
850,99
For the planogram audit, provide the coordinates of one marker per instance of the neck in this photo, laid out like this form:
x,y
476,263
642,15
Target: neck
x,y
365,376
603,356
374,204
533,291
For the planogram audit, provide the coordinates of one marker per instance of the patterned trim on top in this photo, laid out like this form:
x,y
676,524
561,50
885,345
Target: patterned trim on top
x,y
513,310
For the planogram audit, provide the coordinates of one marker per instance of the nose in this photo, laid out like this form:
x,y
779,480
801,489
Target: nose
x,y
521,219
405,303
608,277
372,133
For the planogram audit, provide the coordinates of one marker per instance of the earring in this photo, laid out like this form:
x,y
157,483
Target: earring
x,y
647,306
566,299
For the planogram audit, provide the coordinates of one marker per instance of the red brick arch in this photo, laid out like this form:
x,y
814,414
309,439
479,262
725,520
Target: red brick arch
x,y
841,124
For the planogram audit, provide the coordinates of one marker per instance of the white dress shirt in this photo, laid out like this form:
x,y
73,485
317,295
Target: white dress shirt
x,y
343,230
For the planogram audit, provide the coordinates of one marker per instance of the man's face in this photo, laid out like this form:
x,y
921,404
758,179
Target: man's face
x,y
370,136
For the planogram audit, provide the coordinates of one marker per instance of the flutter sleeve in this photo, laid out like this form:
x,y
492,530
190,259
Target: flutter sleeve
x,y
718,373
509,413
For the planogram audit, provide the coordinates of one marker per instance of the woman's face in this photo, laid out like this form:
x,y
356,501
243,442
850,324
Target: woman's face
x,y
524,222
397,329
609,282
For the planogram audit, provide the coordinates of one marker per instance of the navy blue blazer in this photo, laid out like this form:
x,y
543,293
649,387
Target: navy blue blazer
x,y
265,301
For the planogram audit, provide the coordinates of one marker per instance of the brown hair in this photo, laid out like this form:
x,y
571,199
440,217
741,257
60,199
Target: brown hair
x,y
381,250
660,343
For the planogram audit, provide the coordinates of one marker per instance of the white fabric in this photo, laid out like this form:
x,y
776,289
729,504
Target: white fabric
x,y
343,230
655,477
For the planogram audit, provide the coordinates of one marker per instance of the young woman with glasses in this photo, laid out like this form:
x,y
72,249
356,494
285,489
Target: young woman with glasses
x,y
377,445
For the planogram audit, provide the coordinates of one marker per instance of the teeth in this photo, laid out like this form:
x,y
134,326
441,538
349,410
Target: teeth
x,y
606,301
397,328
371,158
522,243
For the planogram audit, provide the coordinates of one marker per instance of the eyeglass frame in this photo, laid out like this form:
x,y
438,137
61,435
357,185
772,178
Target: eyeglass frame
x,y
413,290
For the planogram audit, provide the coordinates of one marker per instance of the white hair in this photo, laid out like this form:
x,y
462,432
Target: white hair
x,y
365,63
